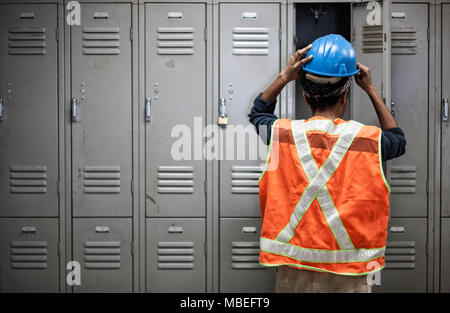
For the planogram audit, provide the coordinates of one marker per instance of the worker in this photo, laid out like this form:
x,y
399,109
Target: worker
x,y
323,195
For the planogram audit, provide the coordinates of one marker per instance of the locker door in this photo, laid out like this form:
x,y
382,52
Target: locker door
x,y
408,177
101,111
249,61
28,110
29,255
175,101
445,194
176,255
445,255
370,42
406,259
240,270
103,248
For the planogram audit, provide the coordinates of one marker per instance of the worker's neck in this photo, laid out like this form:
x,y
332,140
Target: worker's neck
x,y
329,114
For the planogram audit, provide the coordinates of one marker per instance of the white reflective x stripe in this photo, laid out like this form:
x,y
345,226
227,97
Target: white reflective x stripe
x,y
320,256
325,125
320,179
324,197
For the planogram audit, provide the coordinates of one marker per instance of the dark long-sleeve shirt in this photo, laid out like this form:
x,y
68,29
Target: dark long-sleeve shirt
x,y
393,140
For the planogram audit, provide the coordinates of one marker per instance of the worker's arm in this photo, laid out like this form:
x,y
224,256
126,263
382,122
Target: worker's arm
x,y
261,114
292,72
393,142
364,80
262,117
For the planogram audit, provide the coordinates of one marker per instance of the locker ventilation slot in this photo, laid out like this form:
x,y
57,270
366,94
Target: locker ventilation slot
x,y
101,40
244,179
27,40
372,39
175,40
175,179
102,255
176,255
404,40
400,254
403,179
28,179
245,255
101,179
28,254
250,41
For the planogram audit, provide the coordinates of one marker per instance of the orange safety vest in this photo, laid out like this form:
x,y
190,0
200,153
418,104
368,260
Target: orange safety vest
x,y
324,198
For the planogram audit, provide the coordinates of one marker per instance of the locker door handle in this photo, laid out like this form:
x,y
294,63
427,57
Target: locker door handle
x,y
445,110
1,109
74,109
148,108
223,116
393,109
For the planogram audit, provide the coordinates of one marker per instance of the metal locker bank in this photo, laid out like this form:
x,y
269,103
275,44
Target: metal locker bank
x,y
122,123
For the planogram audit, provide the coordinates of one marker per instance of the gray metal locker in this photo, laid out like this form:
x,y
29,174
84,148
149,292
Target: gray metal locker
x,y
175,58
406,257
28,110
372,49
249,60
103,246
445,255
29,255
445,169
409,43
176,250
102,111
240,270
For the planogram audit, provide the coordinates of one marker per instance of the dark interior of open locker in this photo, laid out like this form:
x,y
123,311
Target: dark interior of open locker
x,y
314,20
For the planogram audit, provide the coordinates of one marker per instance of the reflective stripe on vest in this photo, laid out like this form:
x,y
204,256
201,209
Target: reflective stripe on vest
x,y
320,256
318,179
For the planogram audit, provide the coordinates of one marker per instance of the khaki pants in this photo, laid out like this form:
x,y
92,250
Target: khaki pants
x,y
292,280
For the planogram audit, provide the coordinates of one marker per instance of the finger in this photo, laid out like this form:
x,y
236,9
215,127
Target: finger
x,y
306,60
305,49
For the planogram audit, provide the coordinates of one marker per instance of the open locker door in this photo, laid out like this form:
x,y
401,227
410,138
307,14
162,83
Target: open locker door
x,y
371,39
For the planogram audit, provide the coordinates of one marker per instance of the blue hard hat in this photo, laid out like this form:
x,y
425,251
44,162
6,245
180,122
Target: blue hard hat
x,y
332,56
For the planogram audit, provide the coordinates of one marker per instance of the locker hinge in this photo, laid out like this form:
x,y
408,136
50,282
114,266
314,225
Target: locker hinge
x,y
132,187
132,248
205,34
205,247
427,188
131,33
279,34
426,247
205,187
59,248
57,33
58,187
428,34
385,37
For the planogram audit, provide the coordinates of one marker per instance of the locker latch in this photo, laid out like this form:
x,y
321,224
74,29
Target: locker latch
x,y
445,110
1,109
148,107
74,109
223,117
